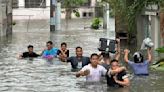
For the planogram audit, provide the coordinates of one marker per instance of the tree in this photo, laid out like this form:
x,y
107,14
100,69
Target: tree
x,y
71,6
127,11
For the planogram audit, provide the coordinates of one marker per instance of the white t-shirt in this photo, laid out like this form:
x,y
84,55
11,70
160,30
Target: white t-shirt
x,y
79,65
95,73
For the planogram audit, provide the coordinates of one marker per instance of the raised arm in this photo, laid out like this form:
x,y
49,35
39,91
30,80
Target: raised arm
x,y
113,72
100,57
149,55
117,56
126,52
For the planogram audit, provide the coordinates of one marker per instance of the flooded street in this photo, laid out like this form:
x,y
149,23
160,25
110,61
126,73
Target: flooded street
x,y
38,75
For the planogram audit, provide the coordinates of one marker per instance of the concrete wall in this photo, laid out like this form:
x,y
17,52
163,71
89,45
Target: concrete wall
x,y
148,25
44,13
155,32
5,17
143,29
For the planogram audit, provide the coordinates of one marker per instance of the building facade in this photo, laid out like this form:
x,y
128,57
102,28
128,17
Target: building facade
x,y
5,17
148,25
40,9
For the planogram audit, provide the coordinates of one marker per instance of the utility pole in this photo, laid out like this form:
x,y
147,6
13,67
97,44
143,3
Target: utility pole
x,y
55,15
110,30
52,15
104,17
58,16
107,19
156,35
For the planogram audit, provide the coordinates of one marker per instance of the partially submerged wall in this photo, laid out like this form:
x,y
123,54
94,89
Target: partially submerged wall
x,y
5,17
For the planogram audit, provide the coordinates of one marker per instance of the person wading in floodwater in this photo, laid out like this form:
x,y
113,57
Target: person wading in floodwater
x,y
78,61
105,57
94,71
30,53
139,66
63,53
117,79
50,52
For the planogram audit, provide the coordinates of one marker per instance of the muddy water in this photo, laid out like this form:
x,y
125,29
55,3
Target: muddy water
x,y
38,75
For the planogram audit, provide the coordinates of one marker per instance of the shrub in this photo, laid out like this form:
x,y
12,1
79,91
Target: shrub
x,y
160,50
95,23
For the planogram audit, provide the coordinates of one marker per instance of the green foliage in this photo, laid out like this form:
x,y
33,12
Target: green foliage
x,y
135,9
117,6
72,3
130,9
96,23
160,50
76,12
162,6
111,14
71,6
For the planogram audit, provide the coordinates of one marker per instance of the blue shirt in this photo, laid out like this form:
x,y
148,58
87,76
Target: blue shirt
x,y
52,52
140,68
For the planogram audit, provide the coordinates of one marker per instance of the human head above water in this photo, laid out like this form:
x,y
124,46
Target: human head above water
x,y
63,46
30,48
94,54
49,45
114,64
94,58
138,57
79,51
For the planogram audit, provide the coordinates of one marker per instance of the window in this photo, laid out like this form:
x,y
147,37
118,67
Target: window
x,y
90,14
35,3
84,14
15,4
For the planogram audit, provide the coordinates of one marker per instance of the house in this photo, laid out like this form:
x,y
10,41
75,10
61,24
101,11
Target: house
x,y
40,9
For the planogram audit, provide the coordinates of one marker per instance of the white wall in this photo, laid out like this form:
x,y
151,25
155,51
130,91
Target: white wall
x,y
93,3
42,13
21,3
34,13
48,3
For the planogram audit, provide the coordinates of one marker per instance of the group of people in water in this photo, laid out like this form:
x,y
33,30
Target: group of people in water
x,y
97,65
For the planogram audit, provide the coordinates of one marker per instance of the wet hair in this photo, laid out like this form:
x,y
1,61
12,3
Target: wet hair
x,y
138,57
78,47
114,60
63,43
94,54
50,42
30,46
